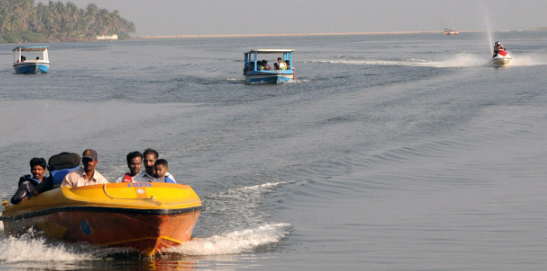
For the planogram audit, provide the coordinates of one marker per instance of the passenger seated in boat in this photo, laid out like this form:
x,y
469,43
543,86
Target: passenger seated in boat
x,y
134,163
37,58
28,182
162,174
266,66
260,65
150,156
280,64
288,64
87,175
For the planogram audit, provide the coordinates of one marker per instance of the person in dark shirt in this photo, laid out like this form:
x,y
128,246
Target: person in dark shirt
x,y
28,182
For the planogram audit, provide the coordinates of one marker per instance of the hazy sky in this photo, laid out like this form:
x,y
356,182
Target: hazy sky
x,y
207,17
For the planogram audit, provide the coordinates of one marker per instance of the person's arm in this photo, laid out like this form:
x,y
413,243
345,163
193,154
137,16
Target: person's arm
x,y
44,186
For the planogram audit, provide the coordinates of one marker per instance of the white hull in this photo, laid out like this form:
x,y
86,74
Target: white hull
x,y
501,60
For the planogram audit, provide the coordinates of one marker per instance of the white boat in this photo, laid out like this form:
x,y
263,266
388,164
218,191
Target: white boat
x,y
501,58
255,74
22,65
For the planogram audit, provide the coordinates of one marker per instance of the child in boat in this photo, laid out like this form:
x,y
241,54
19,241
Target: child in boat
x,y
162,175
28,182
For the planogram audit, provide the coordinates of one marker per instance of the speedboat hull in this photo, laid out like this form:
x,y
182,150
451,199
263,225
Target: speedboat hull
x,y
502,58
31,67
143,217
269,77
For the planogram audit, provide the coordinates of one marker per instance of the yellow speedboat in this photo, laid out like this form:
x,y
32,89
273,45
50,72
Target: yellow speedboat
x,y
147,217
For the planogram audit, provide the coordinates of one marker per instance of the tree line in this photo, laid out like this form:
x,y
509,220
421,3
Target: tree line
x,y
23,21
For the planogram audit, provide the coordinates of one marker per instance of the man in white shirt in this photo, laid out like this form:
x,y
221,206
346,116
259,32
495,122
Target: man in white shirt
x,y
149,160
280,64
87,175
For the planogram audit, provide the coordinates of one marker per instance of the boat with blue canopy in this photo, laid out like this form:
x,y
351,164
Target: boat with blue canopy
x,y
256,70
38,61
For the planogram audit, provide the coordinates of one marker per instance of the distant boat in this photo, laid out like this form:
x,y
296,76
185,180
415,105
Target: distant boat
x,y
107,37
450,32
23,65
255,74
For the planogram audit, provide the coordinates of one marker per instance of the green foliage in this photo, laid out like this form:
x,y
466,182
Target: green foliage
x,y
11,37
22,20
32,37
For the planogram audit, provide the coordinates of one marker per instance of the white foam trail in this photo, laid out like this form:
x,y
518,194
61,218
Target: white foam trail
x,y
27,249
459,60
234,242
261,186
463,60
372,62
528,60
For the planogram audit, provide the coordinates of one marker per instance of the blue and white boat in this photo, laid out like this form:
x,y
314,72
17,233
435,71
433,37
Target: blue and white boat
x,y
37,61
255,73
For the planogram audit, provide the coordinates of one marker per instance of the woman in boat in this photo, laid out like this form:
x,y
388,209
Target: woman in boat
x,y
28,182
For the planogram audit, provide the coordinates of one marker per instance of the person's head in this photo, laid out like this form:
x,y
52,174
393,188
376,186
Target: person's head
x,y
161,167
150,156
134,162
287,62
279,60
38,167
89,160
264,62
37,58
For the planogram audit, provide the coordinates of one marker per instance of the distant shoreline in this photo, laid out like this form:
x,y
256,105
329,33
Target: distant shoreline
x,y
287,35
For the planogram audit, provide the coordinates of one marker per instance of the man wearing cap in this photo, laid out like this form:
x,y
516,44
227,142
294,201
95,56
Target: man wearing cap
x,y
87,175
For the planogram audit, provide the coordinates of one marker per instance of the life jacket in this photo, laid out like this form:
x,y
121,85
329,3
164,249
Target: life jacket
x,y
29,178
127,178
169,180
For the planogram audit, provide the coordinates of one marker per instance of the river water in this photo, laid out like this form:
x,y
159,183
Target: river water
x,y
389,152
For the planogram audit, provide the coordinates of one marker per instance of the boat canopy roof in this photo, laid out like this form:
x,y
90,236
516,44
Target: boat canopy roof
x,y
270,51
31,48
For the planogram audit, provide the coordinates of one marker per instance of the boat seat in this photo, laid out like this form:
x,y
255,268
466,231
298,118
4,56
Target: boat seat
x,y
59,175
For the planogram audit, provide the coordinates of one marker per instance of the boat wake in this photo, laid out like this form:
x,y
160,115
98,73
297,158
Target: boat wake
x,y
29,249
264,237
529,60
455,61
234,223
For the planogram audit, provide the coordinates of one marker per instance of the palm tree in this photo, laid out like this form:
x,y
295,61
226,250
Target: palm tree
x,y
59,21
